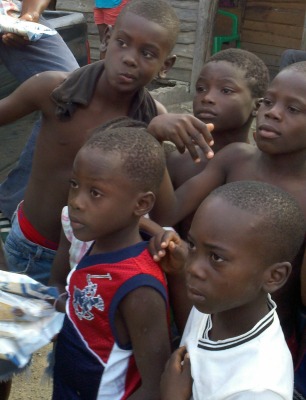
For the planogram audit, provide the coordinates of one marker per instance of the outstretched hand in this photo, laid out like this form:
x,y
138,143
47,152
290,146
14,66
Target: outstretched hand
x,y
176,381
185,131
169,250
14,40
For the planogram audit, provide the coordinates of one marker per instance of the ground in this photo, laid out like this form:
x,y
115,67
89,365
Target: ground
x,y
33,384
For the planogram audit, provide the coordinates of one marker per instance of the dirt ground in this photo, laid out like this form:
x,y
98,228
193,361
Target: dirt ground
x,y
31,384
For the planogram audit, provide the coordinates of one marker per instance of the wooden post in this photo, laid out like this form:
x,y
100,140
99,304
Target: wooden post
x,y
204,36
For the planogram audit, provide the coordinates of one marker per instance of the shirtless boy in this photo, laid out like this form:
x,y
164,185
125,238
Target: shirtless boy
x,y
228,91
138,50
242,242
280,159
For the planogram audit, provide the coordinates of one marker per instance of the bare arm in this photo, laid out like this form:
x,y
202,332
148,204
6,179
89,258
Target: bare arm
x,y
60,270
32,95
171,207
144,313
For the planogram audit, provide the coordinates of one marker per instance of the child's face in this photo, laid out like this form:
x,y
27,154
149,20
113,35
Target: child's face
x,y
223,97
101,199
137,51
281,119
224,269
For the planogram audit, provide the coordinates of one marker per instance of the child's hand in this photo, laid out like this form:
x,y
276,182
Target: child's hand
x,y
185,131
169,250
176,381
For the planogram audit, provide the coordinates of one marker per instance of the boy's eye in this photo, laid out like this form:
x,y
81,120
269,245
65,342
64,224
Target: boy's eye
x,y
200,89
227,90
294,110
73,184
266,102
121,43
95,193
148,54
191,245
215,258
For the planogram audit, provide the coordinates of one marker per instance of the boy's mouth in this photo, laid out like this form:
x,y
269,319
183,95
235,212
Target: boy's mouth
x,y
205,113
126,77
267,131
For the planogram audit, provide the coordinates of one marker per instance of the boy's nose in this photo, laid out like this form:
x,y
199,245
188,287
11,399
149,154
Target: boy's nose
x,y
75,201
197,269
208,97
130,59
274,112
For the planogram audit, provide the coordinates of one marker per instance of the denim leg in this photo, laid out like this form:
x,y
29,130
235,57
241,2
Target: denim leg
x,y
25,257
13,187
47,54
291,56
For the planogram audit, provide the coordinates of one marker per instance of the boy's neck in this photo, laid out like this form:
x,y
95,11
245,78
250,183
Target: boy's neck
x,y
111,97
222,139
122,239
235,322
288,164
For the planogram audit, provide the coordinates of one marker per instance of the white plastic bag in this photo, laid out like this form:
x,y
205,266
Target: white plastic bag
x,y
32,30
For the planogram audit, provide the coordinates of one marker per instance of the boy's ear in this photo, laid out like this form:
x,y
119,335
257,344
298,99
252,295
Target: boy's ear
x,y
107,35
144,203
276,276
167,65
257,103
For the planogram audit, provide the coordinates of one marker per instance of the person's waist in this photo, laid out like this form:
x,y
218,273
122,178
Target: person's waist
x,y
31,233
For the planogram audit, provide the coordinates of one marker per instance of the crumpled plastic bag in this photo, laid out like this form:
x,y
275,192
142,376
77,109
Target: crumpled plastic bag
x,y
27,321
32,30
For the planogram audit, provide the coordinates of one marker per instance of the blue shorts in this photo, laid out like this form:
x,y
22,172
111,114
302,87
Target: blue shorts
x,y
25,257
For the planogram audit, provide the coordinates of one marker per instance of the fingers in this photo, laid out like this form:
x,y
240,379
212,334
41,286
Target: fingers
x,y
10,39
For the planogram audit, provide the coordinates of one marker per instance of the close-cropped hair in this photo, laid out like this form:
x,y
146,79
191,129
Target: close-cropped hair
x,y
298,67
158,11
281,220
256,72
142,156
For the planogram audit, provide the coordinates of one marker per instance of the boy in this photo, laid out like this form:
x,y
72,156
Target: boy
x,y
242,242
115,340
280,159
228,91
138,49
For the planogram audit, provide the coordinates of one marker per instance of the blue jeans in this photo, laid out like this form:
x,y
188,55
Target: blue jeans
x,y
26,257
47,54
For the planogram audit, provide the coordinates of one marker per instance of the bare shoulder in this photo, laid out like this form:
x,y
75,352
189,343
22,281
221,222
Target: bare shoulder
x,y
48,80
235,153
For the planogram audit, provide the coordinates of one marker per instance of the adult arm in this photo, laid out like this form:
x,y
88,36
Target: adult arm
x,y
145,315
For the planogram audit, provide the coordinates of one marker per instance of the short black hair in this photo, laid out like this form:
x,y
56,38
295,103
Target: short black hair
x,y
159,11
143,159
298,67
282,222
256,71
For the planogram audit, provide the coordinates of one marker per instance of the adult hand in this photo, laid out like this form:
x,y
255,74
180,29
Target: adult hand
x,y
14,40
185,131
176,381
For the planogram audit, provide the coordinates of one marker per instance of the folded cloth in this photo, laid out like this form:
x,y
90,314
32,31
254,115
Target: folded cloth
x,y
30,325
77,90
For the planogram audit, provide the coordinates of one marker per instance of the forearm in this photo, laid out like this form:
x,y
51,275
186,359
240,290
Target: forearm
x,y
34,7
